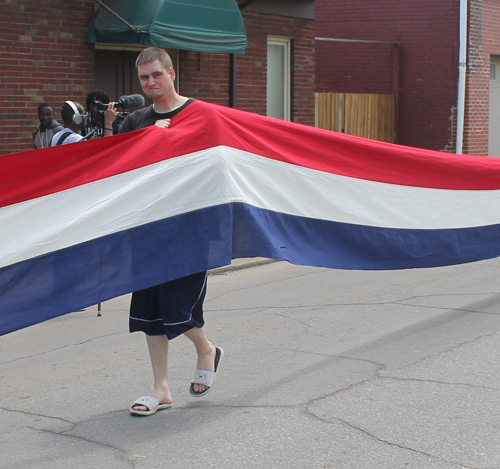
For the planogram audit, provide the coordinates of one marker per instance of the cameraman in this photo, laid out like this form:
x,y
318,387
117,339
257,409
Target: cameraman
x,y
100,123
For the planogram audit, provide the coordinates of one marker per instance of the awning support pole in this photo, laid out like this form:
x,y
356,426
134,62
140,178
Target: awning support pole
x,y
116,15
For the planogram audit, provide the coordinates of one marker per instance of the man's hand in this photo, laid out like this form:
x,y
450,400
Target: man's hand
x,y
162,123
109,117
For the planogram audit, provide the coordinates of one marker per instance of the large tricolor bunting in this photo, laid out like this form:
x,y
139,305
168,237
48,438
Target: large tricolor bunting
x,y
82,223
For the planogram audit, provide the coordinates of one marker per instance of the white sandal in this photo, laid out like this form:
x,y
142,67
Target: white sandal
x,y
150,403
206,378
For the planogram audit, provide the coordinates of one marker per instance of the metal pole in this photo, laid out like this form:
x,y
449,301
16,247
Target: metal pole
x,y
334,39
462,75
116,15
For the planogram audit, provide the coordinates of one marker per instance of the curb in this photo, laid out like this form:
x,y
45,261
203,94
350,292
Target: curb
x,y
240,264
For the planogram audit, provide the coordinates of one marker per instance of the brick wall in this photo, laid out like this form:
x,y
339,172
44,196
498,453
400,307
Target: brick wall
x,y
42,58
354,67
428,33
206,76
484,41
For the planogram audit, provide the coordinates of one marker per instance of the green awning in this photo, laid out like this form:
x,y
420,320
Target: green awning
x,y
200,25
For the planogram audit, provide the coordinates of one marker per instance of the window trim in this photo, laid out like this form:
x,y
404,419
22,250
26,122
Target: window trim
x,y
286,43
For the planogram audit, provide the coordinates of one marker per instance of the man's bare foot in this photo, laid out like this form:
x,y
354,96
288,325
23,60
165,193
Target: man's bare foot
x,y
162,398
205,377
206,361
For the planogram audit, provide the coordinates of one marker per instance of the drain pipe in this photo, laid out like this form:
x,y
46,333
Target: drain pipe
x,y
462,73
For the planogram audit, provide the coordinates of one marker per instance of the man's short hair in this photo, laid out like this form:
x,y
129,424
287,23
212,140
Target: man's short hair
x,y
154,53
67,112
45,104
97,95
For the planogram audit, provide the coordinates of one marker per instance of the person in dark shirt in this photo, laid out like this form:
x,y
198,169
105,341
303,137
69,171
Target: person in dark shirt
x,y
94,128
48,127
173,308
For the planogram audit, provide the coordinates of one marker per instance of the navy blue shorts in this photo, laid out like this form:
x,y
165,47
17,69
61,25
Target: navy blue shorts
x,y
170,308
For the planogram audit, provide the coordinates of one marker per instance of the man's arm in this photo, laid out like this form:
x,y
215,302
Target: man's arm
x,y
138,120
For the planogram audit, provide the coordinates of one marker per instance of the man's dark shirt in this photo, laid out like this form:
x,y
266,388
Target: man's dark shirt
x,y
148,116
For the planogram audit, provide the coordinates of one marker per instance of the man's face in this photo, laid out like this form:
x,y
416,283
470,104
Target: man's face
x,y
45,116
156,82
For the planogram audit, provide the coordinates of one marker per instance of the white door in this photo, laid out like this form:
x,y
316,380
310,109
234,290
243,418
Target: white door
x,y
278,78
494,120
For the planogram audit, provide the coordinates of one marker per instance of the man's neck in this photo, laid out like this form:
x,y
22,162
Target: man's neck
x,y
163,106
74,127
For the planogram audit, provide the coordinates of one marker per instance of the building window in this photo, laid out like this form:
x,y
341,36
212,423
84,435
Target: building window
x,y
278,77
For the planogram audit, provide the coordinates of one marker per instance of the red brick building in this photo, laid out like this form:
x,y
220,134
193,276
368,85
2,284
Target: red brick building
x,y
411,49
482,110
44,57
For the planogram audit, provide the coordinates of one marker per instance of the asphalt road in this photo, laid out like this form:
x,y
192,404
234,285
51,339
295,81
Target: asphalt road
x,y
322,369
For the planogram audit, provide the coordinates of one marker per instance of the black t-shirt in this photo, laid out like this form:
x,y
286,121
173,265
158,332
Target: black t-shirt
x,y
96,130
148,116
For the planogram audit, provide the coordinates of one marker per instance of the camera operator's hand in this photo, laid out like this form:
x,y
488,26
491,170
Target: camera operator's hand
x,y
162,123
109,117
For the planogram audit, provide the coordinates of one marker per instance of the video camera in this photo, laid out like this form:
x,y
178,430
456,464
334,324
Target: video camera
x,y
132,102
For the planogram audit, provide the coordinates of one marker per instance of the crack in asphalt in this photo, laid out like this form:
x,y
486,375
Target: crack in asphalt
x,y
75,344
364,431
447,308
34,414
399,302
376,375
121,453
448,350
436,381
67,432
396,445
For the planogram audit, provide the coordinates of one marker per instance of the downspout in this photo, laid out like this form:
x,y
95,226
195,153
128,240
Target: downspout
x,y
462,74
233,84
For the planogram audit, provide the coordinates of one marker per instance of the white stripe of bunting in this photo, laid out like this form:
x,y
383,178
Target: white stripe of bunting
x,y
223,175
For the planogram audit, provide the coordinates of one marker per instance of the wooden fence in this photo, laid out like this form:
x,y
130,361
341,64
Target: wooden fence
x,y
363,115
